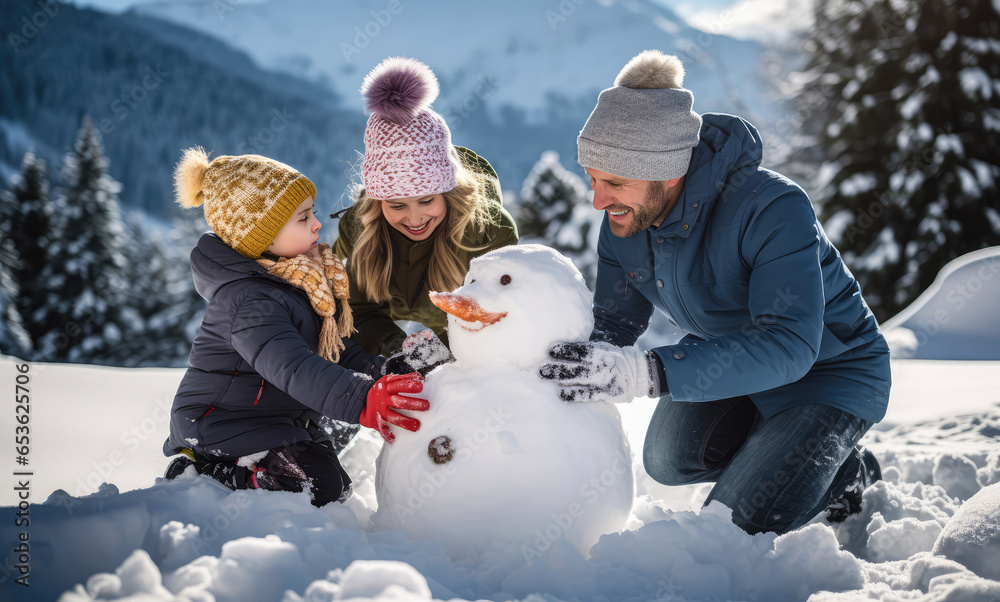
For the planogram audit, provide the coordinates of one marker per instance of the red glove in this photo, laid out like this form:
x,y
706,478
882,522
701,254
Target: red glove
x,y
384,399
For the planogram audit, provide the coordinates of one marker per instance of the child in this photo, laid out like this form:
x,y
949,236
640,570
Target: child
x,y
272,357
427,209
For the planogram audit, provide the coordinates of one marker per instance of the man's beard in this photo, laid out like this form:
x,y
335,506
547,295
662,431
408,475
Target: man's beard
x,y
653,206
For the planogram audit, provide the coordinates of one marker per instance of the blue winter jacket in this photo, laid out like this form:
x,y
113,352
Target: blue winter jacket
x,y
254,381
743,265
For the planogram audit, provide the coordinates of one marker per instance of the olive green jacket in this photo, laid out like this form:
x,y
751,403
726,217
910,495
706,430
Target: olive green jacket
x,y
375,322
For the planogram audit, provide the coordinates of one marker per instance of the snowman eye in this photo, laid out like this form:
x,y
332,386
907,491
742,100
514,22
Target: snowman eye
x,y
505,280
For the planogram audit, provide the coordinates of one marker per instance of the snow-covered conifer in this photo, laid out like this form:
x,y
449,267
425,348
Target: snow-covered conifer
x,y
912,141
85,270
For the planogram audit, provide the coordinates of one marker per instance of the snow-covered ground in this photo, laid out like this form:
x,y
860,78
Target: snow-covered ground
x,y
86,517
191,539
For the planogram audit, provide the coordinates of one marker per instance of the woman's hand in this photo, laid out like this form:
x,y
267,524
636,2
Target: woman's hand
x,y
422,352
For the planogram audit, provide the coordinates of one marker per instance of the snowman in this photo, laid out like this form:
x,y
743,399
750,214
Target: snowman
x,y
499,457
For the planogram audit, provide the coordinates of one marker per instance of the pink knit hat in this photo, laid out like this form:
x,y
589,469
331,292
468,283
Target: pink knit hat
x,y
407,144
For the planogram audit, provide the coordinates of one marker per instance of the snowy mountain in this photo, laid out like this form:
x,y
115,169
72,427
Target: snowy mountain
x,y
517,77
767,21
535,56
281,79
152,89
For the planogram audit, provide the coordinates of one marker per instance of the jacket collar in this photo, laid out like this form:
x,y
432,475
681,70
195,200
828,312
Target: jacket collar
x,y
411,251
215,264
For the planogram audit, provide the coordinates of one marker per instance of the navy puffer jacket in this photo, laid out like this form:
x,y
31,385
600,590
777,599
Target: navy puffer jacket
x,y
254,380
743,265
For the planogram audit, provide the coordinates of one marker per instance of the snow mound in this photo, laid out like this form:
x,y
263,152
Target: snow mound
x,y
957,475
972,536
921,577
190,539
940,451
956,317
703,554
896,521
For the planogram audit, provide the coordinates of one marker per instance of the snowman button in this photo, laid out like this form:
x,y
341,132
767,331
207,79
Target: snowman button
x,y
440,449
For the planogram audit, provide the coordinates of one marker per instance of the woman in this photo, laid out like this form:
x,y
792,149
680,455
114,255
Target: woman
x,y
426,210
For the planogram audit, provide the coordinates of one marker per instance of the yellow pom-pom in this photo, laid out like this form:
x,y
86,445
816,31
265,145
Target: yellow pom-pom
x,y
189,177
651,69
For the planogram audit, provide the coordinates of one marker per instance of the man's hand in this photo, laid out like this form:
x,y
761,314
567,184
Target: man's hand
x,y
598,371
422,352
384,399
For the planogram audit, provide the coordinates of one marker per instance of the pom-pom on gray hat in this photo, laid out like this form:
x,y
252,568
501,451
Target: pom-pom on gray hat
x,y
644,127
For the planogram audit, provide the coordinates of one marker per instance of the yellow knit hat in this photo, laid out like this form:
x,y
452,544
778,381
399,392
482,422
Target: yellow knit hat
x,y
247,198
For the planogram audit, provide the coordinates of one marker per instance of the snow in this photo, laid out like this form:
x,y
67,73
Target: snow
x,y
949,143
763,20
192,539
912,105
956,317
976,83
948,41
972,537
886,251
858,184
371,578
985,172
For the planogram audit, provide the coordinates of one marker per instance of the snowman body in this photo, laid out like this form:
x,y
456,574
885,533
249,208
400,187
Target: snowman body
x,y
499,458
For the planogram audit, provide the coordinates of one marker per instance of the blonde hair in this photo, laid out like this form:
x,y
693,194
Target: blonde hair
x,y
467,206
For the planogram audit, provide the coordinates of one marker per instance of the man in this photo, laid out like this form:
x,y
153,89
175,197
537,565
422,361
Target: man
x,y
784,369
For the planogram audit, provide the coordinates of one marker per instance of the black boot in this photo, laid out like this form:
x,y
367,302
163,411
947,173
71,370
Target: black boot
x,y
340,433
279,471
177,467
849,502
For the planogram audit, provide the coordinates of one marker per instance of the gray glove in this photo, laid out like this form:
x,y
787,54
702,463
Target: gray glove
x,y
422,352
599,371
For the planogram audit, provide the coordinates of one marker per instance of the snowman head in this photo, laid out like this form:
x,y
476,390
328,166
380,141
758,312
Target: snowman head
x,y
516,302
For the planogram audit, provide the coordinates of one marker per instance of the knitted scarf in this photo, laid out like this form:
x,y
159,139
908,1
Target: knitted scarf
x,y
325,281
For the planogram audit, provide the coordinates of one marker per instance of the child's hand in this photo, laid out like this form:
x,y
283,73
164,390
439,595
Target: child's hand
x,y
384,399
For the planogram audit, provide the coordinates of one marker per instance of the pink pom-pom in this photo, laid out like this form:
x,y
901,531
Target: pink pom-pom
x,y
398,89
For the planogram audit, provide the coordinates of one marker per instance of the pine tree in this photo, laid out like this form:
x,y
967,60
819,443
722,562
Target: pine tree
x,y
26,222
553,208
85,270
162,301
547,198
913,141
14,339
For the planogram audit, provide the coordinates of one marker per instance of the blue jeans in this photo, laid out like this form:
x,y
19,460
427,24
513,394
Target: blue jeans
x,y
775,474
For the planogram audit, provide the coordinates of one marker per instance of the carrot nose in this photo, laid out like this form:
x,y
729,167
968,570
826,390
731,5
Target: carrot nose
x,y
466,309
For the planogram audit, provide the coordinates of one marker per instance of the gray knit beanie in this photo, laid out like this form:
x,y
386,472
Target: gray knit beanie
x,y
643,128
